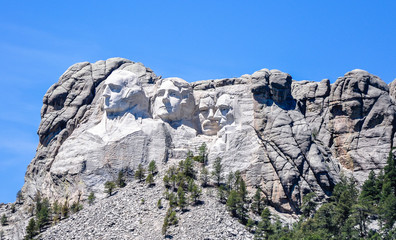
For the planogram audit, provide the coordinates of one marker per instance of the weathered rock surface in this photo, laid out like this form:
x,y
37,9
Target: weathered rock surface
x,y
124,216
287,137
392,89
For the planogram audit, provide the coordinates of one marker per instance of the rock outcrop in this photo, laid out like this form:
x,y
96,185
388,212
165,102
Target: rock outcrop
x,y
286,137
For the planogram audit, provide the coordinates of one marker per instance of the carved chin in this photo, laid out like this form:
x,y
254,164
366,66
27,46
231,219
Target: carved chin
x,y
113,110
167,114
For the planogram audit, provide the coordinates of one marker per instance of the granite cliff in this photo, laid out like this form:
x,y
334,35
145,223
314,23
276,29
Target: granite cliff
x,y
286,137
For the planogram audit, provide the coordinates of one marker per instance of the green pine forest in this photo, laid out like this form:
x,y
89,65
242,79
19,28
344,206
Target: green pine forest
x,y
349,213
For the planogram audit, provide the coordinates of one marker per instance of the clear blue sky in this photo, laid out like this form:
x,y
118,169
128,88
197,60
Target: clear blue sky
x,y
311,40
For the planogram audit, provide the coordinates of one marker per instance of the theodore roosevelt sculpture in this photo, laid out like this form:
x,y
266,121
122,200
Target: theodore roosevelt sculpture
x,y
214,116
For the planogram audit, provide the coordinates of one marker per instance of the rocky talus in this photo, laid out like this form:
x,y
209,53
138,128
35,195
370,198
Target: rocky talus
x,y
124,216
286,137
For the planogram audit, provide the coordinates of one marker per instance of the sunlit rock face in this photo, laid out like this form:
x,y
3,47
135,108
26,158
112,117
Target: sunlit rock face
x,y
123,92
215,115
207,110
286,137
173,100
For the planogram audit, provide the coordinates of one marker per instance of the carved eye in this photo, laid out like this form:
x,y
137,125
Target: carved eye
x,y
160,93
174,94
114,88
224,109
204,110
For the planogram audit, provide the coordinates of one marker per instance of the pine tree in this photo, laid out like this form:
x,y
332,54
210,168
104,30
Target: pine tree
x,y
173,220
257,202
259,233
65,209
170,219
242,191
166,181
13,209
56,211
19,197
140,173
232,202
250,224
188,168
196,192
180,180
152,167
231,181
170,178
173,201
120,179
150,179
3,220
242,212
265,223
165,224
91,198
217,171
309,205
43,213
367,204
237,176
360,216
109,187
180,169
221,193
387,211
370,193
204,177
325,219
37,200
278,231
345,195
390,172
174,179
202,154
181,198
31,230
159,204
190,185
388,194
76,207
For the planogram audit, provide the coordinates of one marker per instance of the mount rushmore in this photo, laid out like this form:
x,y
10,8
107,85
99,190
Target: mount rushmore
x,y
286,137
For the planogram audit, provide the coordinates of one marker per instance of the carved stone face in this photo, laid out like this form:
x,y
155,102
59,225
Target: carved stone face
x,y
215,116
207,110
172,100
224,111
122,92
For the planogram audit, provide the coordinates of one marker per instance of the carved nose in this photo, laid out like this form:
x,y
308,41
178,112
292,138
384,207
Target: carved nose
x,y
217,115
210,115
165,99
106,92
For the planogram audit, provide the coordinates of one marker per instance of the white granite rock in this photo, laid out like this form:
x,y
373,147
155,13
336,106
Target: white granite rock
x,y
286,137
